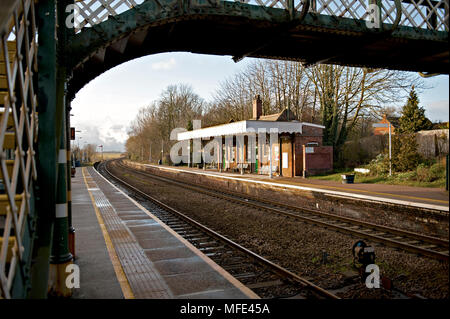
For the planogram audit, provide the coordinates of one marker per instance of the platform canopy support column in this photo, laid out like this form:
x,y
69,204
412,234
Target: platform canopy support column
x,y
61,256
47,146
219,153
51,95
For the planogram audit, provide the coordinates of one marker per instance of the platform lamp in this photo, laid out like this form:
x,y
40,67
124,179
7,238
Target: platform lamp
x,y
73,138
85,159
389,126
101,146
78,139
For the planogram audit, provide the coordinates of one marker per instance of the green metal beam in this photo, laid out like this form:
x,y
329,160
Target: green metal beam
x,y
51,91
89,40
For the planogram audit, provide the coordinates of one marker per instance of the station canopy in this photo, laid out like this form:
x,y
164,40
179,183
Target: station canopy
x,y
247,127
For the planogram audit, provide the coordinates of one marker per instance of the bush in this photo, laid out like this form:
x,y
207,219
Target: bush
x,y
438,170
424,173
379,165
406,176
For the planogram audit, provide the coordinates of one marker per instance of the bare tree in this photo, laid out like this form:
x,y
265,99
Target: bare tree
x,y
347,94
177,106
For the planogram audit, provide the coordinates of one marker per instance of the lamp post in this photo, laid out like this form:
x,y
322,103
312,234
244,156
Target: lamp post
x,y
389,126
162,151
84,152
101,146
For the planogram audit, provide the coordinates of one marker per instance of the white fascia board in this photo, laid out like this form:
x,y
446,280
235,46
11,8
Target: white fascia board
x,y
241,127
219,130
313,125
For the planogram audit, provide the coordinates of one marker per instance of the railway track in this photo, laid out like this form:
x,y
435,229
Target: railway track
x,y
420,244
264,277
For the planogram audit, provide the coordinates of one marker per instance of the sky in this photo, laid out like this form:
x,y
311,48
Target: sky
x,y
104,109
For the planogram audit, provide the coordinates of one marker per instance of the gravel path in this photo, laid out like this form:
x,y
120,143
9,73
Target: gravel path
x,y
299,246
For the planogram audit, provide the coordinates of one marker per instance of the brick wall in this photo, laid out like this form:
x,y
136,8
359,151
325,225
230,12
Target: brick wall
x,y
301,140
320,161
311,131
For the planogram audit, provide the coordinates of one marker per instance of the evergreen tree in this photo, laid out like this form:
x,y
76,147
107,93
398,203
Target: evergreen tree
x,y
405,156
413,117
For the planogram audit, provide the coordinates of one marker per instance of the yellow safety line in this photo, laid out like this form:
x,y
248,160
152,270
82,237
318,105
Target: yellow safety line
x,y
120,274
247,291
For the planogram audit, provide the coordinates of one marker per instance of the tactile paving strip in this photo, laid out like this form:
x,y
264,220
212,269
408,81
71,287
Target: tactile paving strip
x,y
145,281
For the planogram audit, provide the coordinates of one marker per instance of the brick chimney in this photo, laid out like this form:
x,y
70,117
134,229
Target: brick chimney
x,y
257,108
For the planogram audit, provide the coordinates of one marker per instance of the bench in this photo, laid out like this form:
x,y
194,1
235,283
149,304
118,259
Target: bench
x,y
239,166
265,169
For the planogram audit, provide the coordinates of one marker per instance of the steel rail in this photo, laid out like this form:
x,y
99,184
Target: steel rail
x,y
379,228
259,259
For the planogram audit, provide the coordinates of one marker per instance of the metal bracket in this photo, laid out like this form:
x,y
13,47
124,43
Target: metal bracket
x,y
291,25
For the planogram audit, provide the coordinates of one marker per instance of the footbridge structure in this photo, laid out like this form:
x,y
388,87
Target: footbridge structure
x,y
50,49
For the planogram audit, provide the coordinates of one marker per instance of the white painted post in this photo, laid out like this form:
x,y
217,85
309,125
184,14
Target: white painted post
x,y
189,154
390,151
162,151
220,155
270,157
203,155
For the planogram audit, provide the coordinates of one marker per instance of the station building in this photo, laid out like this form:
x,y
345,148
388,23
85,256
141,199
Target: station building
x,y
295,150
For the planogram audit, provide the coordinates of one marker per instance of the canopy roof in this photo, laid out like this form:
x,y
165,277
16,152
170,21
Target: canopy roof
x,y
246,127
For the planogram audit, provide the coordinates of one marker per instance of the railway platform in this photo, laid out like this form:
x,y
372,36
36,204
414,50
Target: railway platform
x,y
417,197
124,251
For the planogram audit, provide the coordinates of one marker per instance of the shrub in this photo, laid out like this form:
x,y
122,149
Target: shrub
x,y
438,170
407,176
430,173
379,165
424,173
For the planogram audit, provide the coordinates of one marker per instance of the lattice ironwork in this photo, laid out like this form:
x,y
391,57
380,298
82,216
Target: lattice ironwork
x,y
426,14
90,12
423,14
18,134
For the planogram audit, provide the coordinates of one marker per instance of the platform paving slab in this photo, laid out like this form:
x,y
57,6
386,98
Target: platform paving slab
x,y
97,275
156,261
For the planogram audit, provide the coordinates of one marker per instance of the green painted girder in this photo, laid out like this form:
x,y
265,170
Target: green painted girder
x,y
51,94
238,29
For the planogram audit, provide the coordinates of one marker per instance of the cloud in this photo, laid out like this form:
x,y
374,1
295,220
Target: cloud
x,y
164,65
437,110
116,127
111,136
